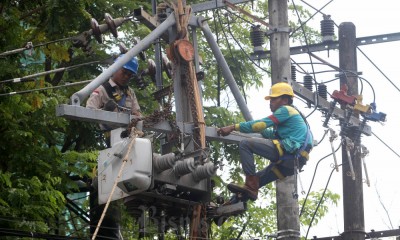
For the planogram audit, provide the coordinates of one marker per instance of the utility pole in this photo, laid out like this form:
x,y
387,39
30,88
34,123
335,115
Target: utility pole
x,y
353,202
287,205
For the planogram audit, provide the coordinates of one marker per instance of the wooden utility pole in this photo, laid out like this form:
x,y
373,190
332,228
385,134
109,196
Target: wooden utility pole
x,y
287,205
353,202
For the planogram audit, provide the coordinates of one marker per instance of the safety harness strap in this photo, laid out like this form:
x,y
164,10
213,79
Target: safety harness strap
x,y
278,173
284,156
113,94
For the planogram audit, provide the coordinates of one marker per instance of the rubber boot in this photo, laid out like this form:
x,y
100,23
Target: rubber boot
x,y
250,188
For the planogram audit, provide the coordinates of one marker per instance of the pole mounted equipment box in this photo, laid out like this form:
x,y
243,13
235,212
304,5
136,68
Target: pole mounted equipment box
x,y
137,174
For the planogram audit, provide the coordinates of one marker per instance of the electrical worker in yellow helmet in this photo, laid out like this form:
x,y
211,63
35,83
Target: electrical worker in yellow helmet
x,y
287,140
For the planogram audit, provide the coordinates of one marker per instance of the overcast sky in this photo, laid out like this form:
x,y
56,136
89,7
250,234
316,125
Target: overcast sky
x,y
370,18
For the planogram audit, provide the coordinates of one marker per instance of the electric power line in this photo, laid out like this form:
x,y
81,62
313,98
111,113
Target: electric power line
x,y
391,149
320,201
313,178
230,51
46,88
317,11
29,77
394,85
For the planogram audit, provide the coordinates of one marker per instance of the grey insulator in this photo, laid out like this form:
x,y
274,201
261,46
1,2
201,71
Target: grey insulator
x,y
257,37
204,171
293,72
184,166
163,162
327,29
308,82
322,91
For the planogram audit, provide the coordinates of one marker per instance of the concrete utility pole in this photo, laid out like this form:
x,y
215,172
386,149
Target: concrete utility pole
x,y
287,205
353,202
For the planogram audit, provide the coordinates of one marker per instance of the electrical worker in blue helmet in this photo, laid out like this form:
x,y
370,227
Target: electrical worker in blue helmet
x,y
115,95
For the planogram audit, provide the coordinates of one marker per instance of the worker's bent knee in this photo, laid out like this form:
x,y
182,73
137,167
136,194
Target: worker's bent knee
x,y
244,143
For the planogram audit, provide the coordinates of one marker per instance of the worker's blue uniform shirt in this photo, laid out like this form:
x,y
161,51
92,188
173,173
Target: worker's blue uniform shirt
x,y
285,124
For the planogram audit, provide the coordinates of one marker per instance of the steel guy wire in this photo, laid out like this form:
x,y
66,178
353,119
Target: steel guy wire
x,y
391,149
394,85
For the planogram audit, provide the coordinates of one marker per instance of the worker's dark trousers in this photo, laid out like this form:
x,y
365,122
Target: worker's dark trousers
x,y
267,149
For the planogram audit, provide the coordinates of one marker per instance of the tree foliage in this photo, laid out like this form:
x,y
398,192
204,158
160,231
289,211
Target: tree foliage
x,y
42,153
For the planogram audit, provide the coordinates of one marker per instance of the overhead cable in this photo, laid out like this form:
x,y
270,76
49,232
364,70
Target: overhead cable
x,y
230,51
318,11
313,178
46,88
312,66
391,149
394,85
320,201
29,46
29,77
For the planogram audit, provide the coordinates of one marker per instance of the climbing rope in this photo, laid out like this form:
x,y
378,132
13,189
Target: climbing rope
x,y
134,134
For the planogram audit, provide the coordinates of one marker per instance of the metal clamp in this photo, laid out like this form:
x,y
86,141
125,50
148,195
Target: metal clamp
x,y
288,233
278,30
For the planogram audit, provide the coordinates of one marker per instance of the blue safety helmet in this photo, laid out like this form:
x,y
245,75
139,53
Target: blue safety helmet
x,y
132,65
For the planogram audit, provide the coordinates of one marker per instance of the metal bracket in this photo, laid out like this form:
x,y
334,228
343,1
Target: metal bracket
x,y
278,30
364,152
331,139
349,148
324,105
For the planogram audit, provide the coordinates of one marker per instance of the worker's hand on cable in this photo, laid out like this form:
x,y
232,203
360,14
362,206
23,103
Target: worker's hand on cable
x,y
111,105
225,131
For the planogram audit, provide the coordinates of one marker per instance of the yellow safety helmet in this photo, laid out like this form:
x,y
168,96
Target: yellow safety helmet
x,y
279,89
